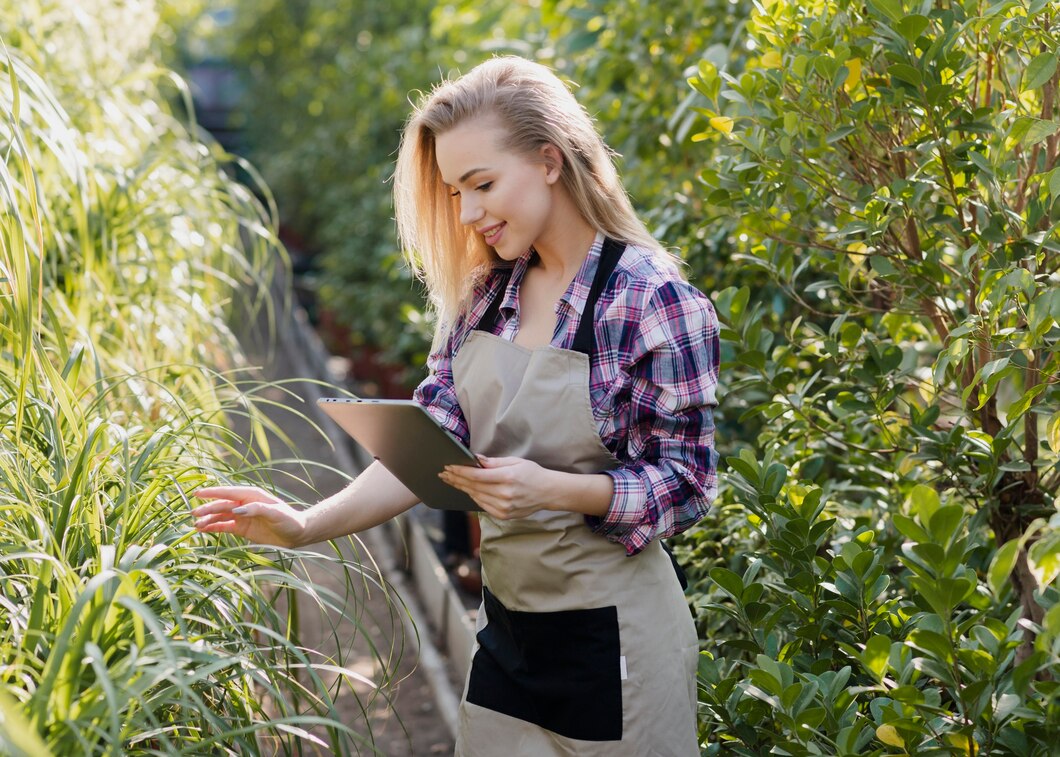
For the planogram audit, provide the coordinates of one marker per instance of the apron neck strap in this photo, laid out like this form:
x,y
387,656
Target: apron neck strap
x,y
584,338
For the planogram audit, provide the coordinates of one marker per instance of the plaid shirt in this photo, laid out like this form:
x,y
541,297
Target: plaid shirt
x,y
652,385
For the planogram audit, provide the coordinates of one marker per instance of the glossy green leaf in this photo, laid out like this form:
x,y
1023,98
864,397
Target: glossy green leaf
x,y
935,644
912,26
1043,557
924,502
1034,130
892,9
877,651
910,528
1054,183
944,523
731,583
905,73
1039,71
1020,406
1052,430
1051,621
1002,564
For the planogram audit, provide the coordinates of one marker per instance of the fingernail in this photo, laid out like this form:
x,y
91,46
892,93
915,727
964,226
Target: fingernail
x,y
241,510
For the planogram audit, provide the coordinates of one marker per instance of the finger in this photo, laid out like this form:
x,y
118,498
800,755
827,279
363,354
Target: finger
x,y
471,487
458,483
239,493
220,527
253,509
462,468
498,462
229,507
215,506
209,520
233,510
475,475
236,516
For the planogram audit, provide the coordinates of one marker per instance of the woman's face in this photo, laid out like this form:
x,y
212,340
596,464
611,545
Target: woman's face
x,y
504,196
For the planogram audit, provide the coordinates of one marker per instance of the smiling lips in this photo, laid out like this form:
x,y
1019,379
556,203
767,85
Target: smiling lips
x,y
492,234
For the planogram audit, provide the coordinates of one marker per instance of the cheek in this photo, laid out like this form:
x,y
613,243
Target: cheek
x,y
527,196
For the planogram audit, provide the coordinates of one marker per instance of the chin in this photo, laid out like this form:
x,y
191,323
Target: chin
x,y
508,257
510,252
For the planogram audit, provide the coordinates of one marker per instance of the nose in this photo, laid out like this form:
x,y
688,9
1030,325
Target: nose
x,y
470,210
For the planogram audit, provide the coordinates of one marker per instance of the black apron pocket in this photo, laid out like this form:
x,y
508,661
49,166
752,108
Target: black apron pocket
x,y
558,670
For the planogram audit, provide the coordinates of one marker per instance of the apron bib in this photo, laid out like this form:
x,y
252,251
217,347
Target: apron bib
x,y
580,649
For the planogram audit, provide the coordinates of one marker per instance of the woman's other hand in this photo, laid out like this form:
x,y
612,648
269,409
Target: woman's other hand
x,y
249,512
505,487
511,487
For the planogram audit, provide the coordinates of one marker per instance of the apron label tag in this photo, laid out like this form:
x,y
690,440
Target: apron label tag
x,y
622,667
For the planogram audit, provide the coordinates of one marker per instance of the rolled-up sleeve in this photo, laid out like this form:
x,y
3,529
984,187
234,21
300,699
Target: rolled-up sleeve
x,y
437,394
668,479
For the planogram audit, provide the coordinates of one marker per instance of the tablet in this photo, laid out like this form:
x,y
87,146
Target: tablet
x,y
409,442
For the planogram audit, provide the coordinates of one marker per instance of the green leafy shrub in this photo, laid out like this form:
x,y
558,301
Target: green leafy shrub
x,y
893,167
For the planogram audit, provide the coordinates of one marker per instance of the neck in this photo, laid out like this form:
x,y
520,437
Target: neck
x,y
562,249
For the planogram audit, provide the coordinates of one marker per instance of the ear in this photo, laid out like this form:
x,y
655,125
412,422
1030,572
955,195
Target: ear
x,y
553,161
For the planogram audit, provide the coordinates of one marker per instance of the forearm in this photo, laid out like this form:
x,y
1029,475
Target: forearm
x,y
584,493
374,497
657,499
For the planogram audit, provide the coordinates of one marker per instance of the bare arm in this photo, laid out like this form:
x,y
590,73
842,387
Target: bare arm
x,y
372,498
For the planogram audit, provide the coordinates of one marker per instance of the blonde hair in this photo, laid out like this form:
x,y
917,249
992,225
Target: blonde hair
x,y
535,108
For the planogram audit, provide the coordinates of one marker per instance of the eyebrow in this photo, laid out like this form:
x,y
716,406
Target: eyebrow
x,y
470,173
467,175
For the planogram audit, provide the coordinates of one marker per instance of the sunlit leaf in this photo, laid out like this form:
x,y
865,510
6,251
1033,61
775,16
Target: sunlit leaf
x,y
722,124
889,735
853,74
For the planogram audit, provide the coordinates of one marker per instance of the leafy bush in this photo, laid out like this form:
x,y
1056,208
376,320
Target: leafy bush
x,y
122,246
894,170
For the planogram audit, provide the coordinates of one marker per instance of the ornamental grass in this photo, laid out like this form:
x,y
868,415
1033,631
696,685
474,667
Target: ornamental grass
x,y
125,248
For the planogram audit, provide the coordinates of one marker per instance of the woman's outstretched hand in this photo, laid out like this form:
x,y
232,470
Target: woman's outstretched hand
x,y
250,512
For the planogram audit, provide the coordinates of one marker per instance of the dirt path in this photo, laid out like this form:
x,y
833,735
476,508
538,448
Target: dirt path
x,y
397,710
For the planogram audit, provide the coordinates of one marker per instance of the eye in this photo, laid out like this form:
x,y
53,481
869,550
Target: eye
x,y
484,187
455,193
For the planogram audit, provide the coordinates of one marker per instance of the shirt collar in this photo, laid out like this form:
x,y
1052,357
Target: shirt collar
x,y
577,293
510,298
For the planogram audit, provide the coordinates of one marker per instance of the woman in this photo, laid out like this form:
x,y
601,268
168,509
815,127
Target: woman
x,y
575,361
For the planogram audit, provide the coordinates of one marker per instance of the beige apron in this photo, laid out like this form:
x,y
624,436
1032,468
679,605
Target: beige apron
x,y
580,649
